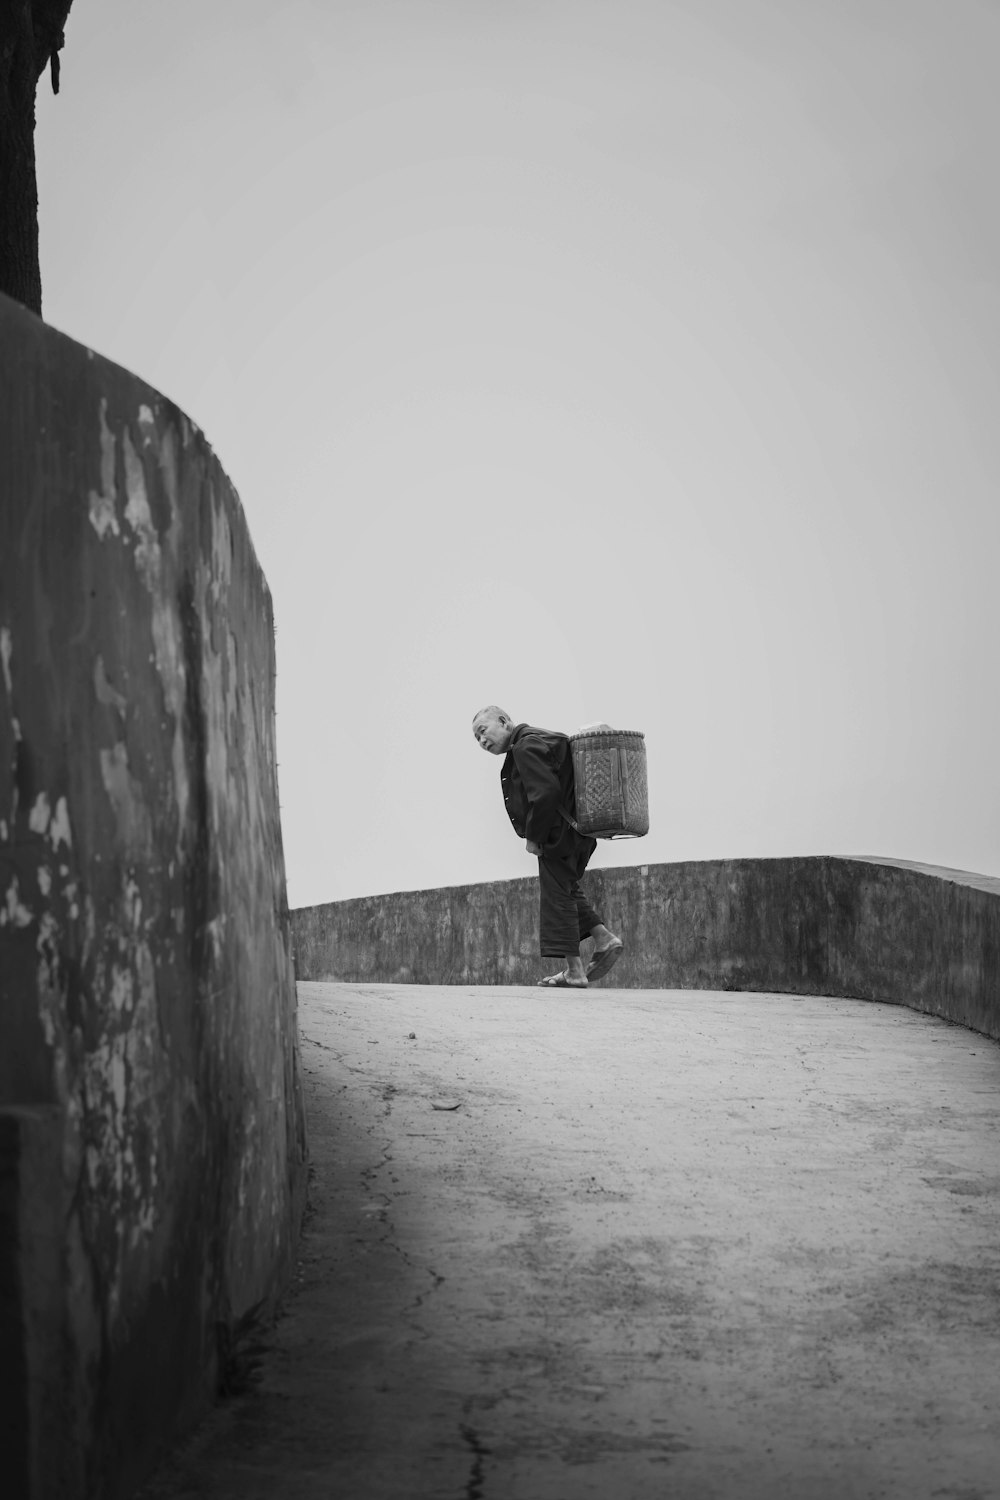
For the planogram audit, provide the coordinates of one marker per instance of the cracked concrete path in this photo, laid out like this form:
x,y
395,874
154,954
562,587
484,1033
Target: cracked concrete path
x,y
664,1244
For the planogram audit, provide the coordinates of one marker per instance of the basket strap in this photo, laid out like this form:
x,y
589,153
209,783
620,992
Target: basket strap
x,y
571,821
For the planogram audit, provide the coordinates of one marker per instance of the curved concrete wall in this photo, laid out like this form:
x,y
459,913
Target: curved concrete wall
x,y
151,1128
870,929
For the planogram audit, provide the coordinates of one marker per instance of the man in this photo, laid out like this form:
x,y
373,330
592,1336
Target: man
x,y
537,781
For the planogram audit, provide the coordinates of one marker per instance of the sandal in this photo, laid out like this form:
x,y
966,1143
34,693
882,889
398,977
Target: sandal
x,y
605,960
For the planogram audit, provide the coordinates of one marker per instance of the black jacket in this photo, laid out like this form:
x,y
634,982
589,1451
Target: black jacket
x,y
537,781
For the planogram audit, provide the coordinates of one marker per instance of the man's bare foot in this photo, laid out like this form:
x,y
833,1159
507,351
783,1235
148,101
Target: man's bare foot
x,y
564,981
607,950
603,939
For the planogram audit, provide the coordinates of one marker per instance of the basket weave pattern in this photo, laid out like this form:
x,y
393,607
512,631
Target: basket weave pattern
x,y
612,796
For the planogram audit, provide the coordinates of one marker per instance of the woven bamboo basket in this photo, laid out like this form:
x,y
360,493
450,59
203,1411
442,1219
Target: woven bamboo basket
x,y
612,796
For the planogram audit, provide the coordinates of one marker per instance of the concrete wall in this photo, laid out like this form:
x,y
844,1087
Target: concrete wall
x,y
872,929
151,1127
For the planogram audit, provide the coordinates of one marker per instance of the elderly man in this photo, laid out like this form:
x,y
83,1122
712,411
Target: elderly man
x,y
537,781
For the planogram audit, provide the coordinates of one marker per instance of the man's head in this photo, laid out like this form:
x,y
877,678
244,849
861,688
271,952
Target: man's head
x,y
493,727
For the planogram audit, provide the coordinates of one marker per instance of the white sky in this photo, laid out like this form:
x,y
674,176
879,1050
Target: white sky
x,y
603,359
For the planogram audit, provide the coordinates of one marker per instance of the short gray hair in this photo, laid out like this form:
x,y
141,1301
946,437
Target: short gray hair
x,y
494,712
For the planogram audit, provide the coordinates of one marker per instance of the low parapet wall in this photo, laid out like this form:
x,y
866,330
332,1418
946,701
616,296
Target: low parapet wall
x,y
870,929
152,1151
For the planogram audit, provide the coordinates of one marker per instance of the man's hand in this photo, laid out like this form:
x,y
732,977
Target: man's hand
x,y
532,847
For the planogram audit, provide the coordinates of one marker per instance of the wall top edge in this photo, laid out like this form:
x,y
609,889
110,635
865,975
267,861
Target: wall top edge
x,y
988,883
40,334
34,347
978,882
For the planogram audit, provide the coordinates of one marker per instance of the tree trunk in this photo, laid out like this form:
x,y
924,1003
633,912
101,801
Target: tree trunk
x,y
30,35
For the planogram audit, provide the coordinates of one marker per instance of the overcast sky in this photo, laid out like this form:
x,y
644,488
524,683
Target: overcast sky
x,y
617,360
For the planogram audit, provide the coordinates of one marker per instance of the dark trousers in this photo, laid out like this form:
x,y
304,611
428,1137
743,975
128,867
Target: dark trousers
x,y
565,915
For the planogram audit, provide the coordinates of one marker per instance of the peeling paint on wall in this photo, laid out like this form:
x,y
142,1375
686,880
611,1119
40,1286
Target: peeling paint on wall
x,y
125,795
140,518
59,829
106,694
14,911
6,649
103,516
40,815
166,631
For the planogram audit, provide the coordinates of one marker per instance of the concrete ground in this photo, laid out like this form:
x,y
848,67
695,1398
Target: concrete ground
x,y
630,1244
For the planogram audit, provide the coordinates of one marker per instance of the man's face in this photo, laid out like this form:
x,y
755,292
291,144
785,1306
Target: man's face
x,y
493,732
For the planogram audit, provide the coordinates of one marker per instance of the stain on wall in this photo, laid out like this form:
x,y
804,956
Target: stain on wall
x,y
149,1070
870,929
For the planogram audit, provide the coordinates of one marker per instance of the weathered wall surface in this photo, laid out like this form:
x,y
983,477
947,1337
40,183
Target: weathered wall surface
x,y
874,930
151,1129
